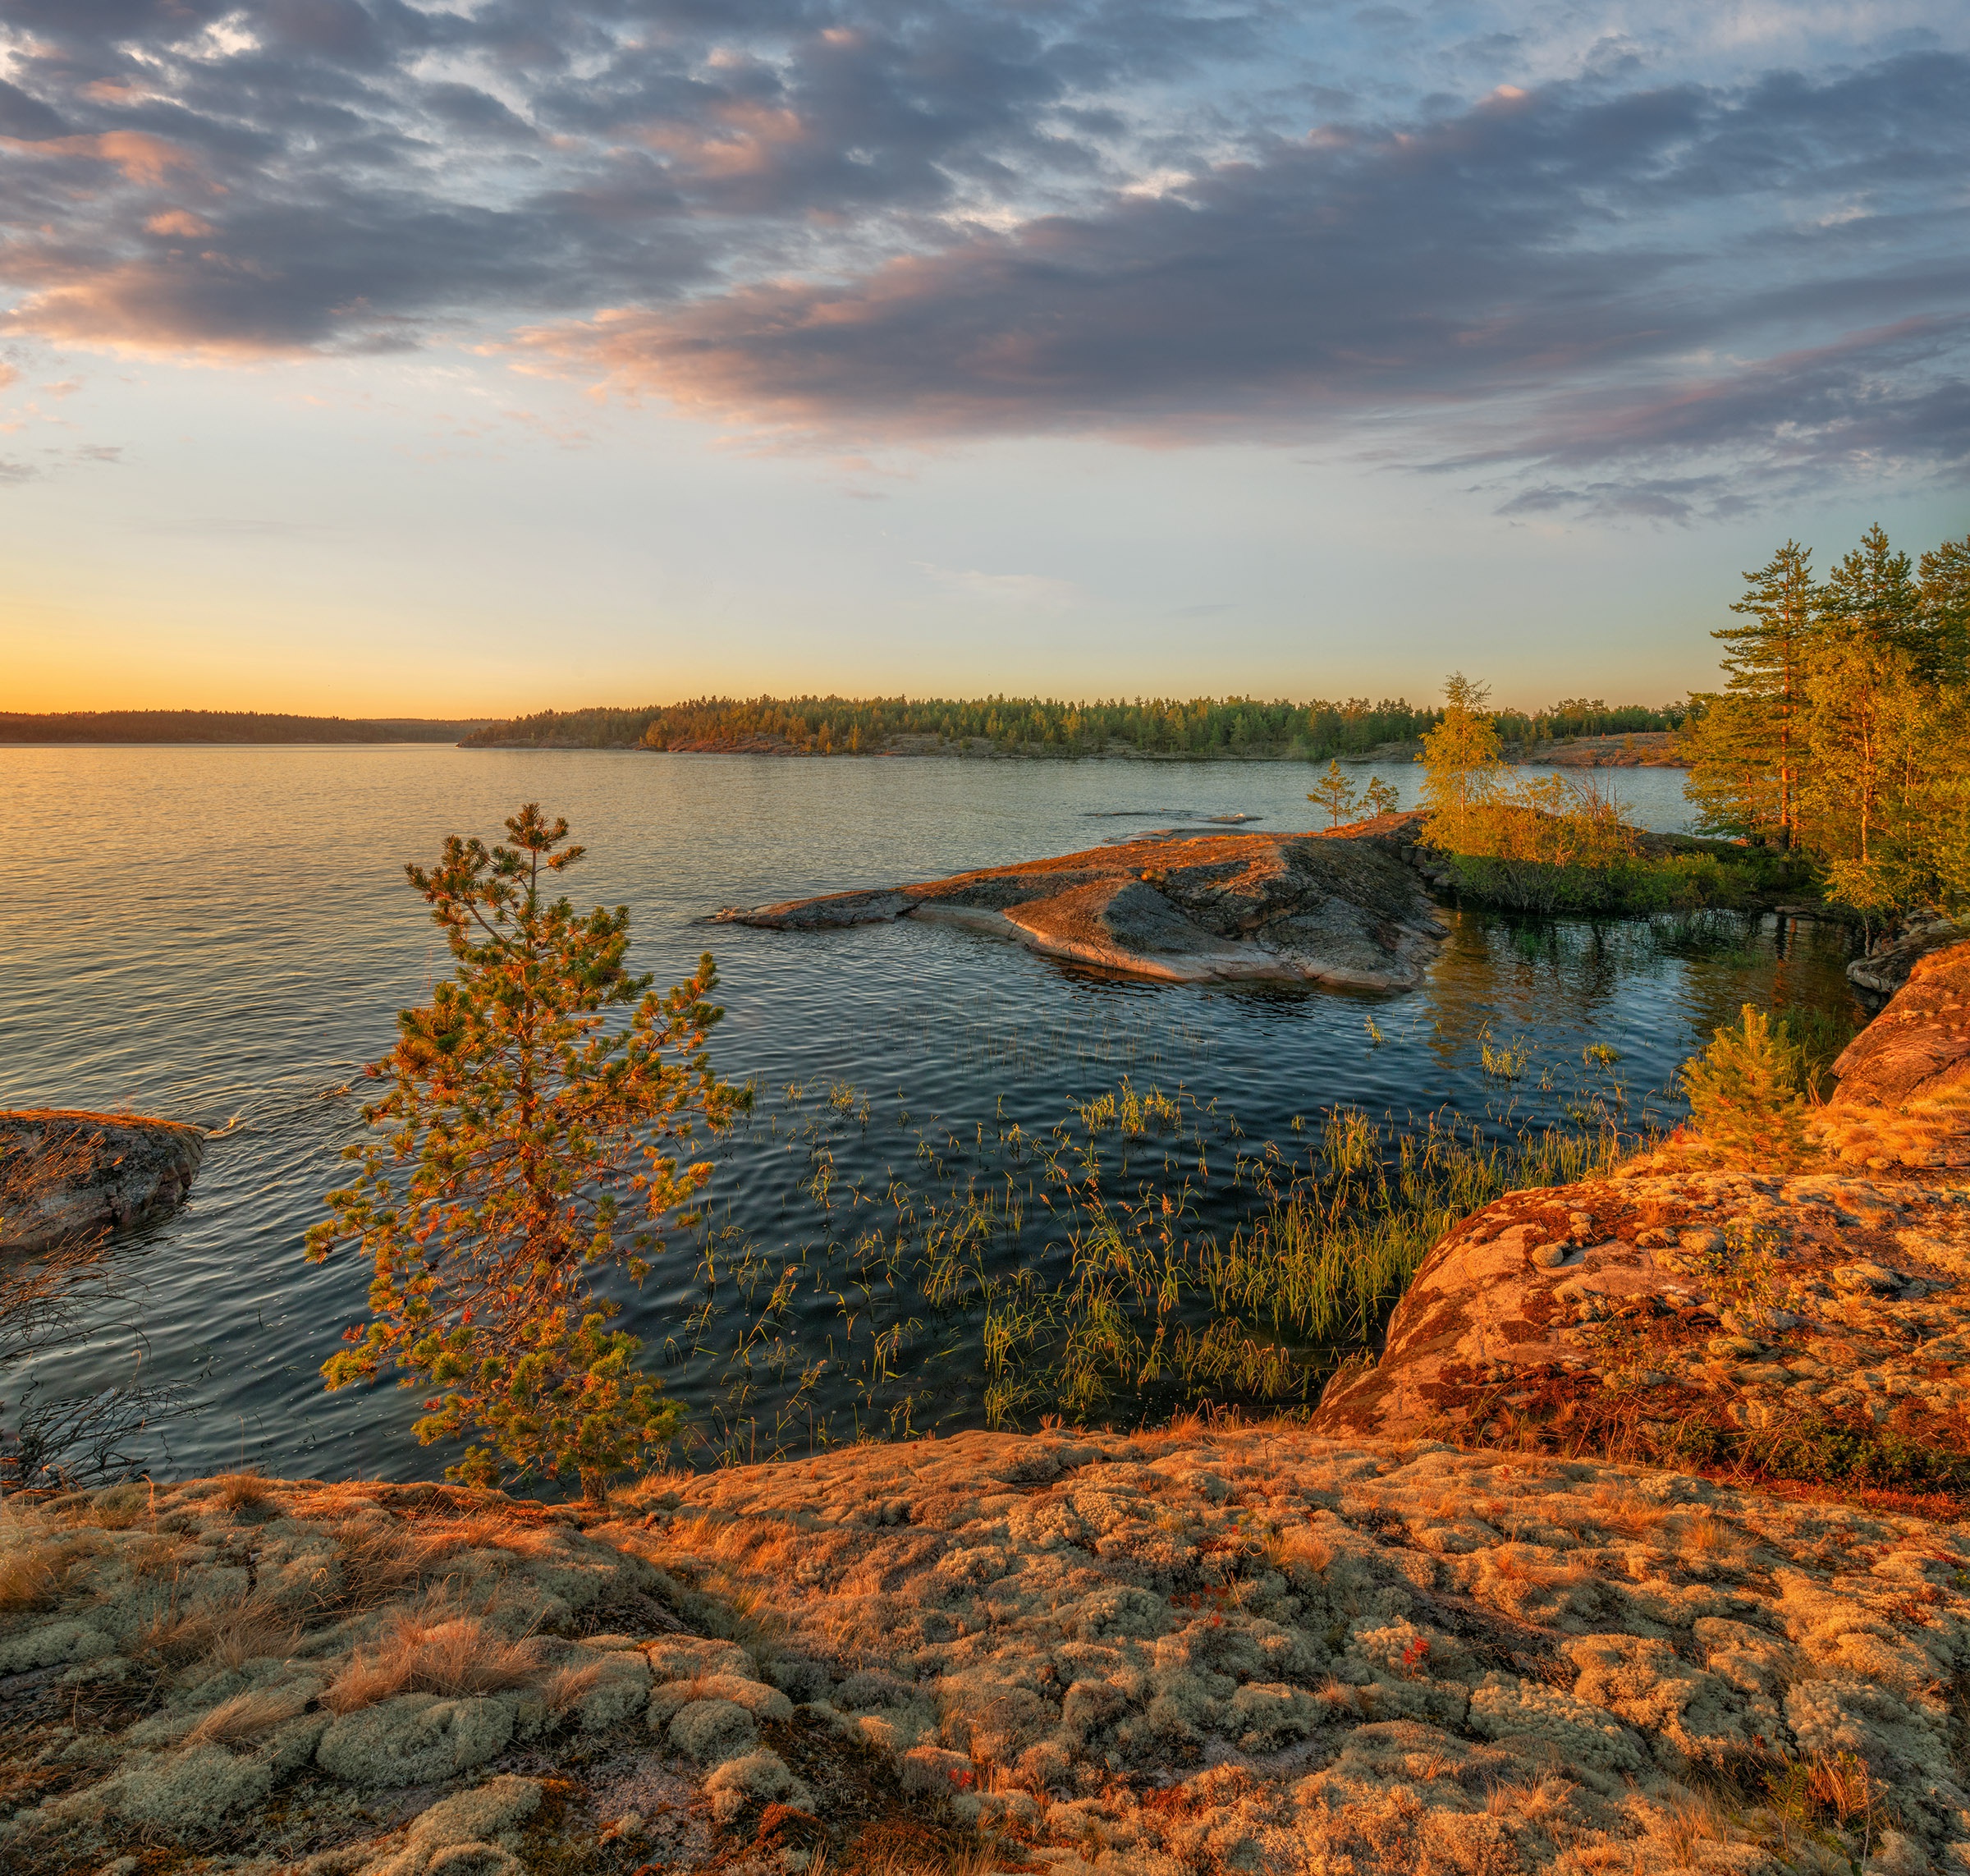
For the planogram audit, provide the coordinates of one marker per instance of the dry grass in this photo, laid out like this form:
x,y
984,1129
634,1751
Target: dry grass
x,y
439,1650
1616,1508
567,1687
122,1507
153,1556
31,1578
1840,1782
231,1636
245,1716
1522,1563
242,1492
382,1558
1300,1554
1715,1539
1681,1827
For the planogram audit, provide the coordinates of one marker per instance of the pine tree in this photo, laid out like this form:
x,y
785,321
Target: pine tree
x,y
1747,1094
1945,595
1380,797
528,1140
1463,762
1872,593
1765,663
1335,793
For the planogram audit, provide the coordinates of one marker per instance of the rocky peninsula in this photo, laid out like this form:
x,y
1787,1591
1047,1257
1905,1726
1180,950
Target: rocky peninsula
x,y
1341,907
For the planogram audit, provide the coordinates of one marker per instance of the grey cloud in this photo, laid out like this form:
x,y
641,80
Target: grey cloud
x,y
369,171
869,220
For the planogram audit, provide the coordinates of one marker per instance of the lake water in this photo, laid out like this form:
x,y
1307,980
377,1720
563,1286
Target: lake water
x,y
223,936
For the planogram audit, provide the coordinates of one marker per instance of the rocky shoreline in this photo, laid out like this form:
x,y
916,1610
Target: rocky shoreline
x,y
1231,1649
1342,908
1326,1649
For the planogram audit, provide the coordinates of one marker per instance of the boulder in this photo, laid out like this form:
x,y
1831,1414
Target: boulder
x,y
65,1176
1920,1043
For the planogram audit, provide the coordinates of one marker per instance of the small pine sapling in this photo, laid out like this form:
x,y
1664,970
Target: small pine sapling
x,y
1335,793
1746,1093
526,1138
1380,797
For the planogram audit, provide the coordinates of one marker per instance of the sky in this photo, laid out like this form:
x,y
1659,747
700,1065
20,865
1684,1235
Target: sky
x,y
365,357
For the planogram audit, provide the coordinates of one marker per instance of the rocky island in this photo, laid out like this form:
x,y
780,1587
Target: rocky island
x,y
1341,907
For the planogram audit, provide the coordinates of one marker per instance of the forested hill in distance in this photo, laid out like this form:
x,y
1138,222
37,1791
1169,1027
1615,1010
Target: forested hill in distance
x,y
224,726
1201,728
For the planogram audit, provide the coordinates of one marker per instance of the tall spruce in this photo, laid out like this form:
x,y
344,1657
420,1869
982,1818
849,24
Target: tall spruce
x,y
526,1139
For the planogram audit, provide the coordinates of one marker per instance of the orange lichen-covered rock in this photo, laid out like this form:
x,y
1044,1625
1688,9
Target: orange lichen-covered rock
x,y
1677,1294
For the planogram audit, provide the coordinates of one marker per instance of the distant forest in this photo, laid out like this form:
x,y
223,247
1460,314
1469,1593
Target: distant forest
x,y
223,726
1202,727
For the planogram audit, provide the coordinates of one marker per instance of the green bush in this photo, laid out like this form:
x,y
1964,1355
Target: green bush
x,y
1634,885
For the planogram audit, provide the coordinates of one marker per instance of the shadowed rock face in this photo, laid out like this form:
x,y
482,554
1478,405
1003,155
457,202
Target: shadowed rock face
x,y
1676,1293
1336,908
1877,976
1920,1043
65,1174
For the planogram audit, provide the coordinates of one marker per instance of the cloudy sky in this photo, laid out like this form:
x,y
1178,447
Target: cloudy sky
x,y
360,356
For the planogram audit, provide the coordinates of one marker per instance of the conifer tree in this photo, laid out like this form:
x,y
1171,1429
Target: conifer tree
x,y
1380,797
1335,793
1765,666
1746,1093
1945,595
528,1139
1872,593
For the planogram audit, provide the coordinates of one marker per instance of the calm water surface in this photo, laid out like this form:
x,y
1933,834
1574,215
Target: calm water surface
x,y
224,936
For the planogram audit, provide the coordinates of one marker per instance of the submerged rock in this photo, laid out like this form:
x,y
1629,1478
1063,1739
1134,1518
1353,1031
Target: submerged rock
x,y
65,1174
1336,908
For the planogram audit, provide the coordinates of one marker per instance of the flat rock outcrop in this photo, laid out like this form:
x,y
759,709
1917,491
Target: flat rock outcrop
x,y
66,1176
1340,908
1235,1649
1819,1317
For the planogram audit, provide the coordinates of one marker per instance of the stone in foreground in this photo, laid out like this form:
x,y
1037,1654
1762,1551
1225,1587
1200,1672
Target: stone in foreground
x,y
1339,908
66,1176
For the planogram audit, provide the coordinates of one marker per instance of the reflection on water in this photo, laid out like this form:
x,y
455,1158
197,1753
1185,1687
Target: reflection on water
x,y
223,935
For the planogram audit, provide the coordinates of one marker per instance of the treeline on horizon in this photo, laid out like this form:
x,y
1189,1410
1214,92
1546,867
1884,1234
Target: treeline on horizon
x,y
1200,727
223,727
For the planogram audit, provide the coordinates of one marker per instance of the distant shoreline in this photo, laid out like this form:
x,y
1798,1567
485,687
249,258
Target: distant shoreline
x,y
1644,749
